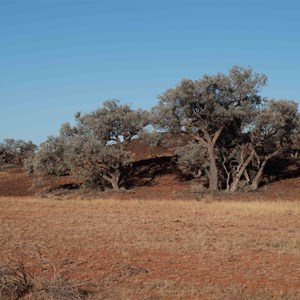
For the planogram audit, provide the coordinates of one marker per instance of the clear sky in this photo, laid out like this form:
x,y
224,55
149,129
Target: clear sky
x,y
58,57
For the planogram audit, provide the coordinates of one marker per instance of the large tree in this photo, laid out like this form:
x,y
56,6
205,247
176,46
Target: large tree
x,y
204,108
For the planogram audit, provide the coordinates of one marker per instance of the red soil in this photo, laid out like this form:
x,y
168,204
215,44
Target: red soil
x,y
16,183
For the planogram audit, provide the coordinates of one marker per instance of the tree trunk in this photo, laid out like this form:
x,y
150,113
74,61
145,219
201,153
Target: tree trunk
x,y
113,179
115,185
235,183
295,154
213,170
228,174
247,177
258,176
209,142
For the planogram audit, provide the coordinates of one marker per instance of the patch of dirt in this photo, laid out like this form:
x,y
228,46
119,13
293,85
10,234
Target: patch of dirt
x,y
287,189
15,182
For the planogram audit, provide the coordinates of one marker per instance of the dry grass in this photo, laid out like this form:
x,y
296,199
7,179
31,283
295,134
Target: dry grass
x,y
163,249
34,276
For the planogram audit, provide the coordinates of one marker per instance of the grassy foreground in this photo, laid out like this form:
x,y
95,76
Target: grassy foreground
x,y
155,249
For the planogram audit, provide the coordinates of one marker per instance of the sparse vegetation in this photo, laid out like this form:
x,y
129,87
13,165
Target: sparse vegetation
x,y
34,276
157,249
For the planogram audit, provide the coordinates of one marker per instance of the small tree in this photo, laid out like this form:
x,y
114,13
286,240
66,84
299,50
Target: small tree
x,y
246,154
49,159
102,165
7,151
16,151
272,133
97,145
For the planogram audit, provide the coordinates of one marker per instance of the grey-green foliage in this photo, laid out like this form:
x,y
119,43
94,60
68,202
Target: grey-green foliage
x,y
49,159
192,160
98,143
95,149
103,165
234,132
210,103
15,151
204,108
295,148
272,132
246,152
112,123
274,126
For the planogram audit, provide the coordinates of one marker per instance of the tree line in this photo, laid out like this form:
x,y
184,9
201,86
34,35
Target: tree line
x,y
232,132
14,152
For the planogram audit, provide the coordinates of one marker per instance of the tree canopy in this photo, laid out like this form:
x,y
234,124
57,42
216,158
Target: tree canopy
x,y
15,151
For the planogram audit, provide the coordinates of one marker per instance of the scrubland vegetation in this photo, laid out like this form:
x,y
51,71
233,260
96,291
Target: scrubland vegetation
x,y
221,131
216,133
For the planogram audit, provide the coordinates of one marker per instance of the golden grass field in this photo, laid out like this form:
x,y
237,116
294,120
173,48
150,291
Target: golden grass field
x,y
137,249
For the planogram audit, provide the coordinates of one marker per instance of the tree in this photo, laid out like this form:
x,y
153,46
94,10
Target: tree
x,y
204,108
16,151
95,149
272,133
100,165
295,148
97,145
49,159
7,150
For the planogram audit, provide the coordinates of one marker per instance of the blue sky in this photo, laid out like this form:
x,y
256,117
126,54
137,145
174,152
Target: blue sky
x,y
58,57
